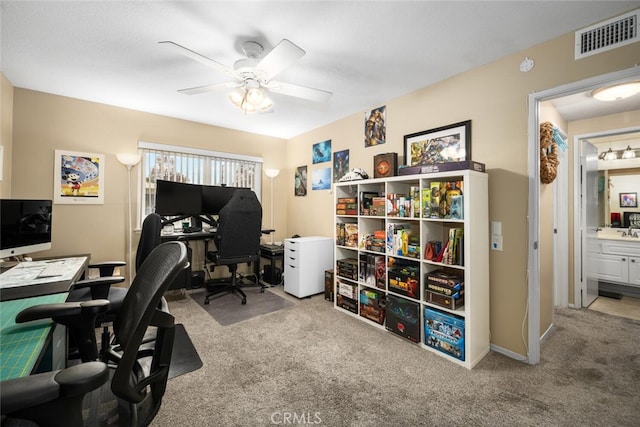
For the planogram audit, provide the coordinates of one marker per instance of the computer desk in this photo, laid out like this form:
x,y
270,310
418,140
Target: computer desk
x,y
21,281
37,346
206,236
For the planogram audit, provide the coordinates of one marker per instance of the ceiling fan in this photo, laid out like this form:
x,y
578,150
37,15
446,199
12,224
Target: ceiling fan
x,y
252,76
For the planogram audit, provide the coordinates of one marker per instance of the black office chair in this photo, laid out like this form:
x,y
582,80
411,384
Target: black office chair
x,y
140,377
101,288
237,241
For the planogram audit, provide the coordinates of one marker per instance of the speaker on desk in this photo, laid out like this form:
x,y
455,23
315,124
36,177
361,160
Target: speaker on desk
x,y
272,275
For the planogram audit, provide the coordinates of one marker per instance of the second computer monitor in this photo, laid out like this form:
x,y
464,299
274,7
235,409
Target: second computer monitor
x,y
215,197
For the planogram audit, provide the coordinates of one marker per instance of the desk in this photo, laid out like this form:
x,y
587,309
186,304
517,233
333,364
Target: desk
x,y
30,347
21,281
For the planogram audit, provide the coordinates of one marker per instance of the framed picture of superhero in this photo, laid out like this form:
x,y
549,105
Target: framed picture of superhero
x,y
78,178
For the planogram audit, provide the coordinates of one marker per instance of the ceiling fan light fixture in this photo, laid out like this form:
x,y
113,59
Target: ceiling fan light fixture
x,y
617,92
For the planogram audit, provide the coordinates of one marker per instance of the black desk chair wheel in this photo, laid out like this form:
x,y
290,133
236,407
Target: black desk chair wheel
x,y
237,241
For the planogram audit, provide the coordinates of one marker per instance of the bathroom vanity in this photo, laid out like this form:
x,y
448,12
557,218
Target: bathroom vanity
x,y
618,257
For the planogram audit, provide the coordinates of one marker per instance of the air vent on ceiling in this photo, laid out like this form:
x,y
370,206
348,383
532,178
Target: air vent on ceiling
x,y
609,34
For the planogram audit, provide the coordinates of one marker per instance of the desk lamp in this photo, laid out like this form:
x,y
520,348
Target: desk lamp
x,y
272,173
129,160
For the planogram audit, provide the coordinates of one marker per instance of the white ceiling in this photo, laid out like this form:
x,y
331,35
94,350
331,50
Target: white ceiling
x,y
365,52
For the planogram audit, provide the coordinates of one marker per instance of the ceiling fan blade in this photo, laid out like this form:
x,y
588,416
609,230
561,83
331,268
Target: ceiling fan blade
x,y
297,91
209,88
282,56
201,58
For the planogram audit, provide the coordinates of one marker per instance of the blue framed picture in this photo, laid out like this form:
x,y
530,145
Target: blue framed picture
x,y
321,152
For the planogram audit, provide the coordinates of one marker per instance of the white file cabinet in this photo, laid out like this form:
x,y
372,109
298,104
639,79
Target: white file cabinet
x,y
305,261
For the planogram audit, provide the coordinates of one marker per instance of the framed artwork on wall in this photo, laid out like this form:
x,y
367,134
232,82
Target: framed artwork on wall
x,y
78,178
300,185
446,144
321,152
375,127
321,179
340,164
628,200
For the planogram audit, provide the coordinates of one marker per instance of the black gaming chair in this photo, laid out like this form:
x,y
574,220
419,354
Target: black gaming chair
x,y
100,287
140,376
237,240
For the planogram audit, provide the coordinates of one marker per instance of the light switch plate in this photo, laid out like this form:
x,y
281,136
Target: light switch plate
x,y
496,243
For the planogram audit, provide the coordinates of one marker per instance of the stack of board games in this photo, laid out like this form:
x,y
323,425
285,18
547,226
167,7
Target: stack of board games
x,y
444,332
347,295
346,206
445,288
372,305
403,318
403,277
348,267
376,242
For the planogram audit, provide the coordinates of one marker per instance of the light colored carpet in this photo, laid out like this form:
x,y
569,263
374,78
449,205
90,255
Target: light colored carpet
x,y
312,362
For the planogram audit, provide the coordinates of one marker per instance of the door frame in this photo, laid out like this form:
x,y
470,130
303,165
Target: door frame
x,y
579,207
533,168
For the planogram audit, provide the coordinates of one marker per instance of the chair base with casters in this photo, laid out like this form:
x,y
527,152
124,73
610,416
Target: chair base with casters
x,y
230,284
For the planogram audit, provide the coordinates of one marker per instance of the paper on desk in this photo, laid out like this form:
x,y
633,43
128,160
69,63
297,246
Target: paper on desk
x,y
26,273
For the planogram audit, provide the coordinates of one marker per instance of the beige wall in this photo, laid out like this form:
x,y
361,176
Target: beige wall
x,y
494,97
6,134
44,122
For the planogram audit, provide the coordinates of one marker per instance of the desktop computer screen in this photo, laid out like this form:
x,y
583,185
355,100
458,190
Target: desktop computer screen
x,y
178,198
215,197
25,226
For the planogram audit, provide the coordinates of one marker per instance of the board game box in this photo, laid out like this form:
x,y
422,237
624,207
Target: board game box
x,y
372,305
403,318
444,332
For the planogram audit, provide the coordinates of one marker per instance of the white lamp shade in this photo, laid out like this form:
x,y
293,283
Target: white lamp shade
x,y
272,173
128,159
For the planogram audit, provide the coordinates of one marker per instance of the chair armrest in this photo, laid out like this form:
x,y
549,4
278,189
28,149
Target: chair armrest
x,y
26,393
99,285
63,310
107,268
79,317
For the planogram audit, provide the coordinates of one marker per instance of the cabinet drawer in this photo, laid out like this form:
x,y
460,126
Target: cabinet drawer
x,y
621,248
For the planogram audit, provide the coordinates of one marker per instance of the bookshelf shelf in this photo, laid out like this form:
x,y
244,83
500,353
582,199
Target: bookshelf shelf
x,y
387,272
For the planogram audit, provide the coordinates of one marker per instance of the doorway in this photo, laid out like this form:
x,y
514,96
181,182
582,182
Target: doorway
x,y
534,255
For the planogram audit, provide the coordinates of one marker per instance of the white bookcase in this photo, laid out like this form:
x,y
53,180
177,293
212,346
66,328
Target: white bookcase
x,y
354,254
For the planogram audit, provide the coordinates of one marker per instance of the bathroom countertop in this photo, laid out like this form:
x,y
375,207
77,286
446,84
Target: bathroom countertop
x,y
608,234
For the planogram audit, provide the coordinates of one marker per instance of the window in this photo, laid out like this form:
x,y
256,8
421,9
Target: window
x,y
192,166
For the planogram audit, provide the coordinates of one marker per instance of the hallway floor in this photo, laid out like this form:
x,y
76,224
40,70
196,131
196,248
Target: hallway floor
x,y
625,307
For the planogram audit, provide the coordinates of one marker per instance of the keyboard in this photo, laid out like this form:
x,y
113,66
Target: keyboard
x,y
52,270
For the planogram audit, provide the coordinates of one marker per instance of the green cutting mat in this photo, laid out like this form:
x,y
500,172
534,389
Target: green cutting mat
x,y
21,344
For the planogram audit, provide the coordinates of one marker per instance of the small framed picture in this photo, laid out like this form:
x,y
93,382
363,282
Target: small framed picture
x,y
628,200
78,178
446,144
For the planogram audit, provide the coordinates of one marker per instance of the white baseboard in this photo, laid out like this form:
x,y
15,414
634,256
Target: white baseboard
x,y
508,353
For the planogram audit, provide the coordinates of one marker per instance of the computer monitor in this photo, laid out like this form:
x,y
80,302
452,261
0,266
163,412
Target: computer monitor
x,y
214,198
178,198
25,226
